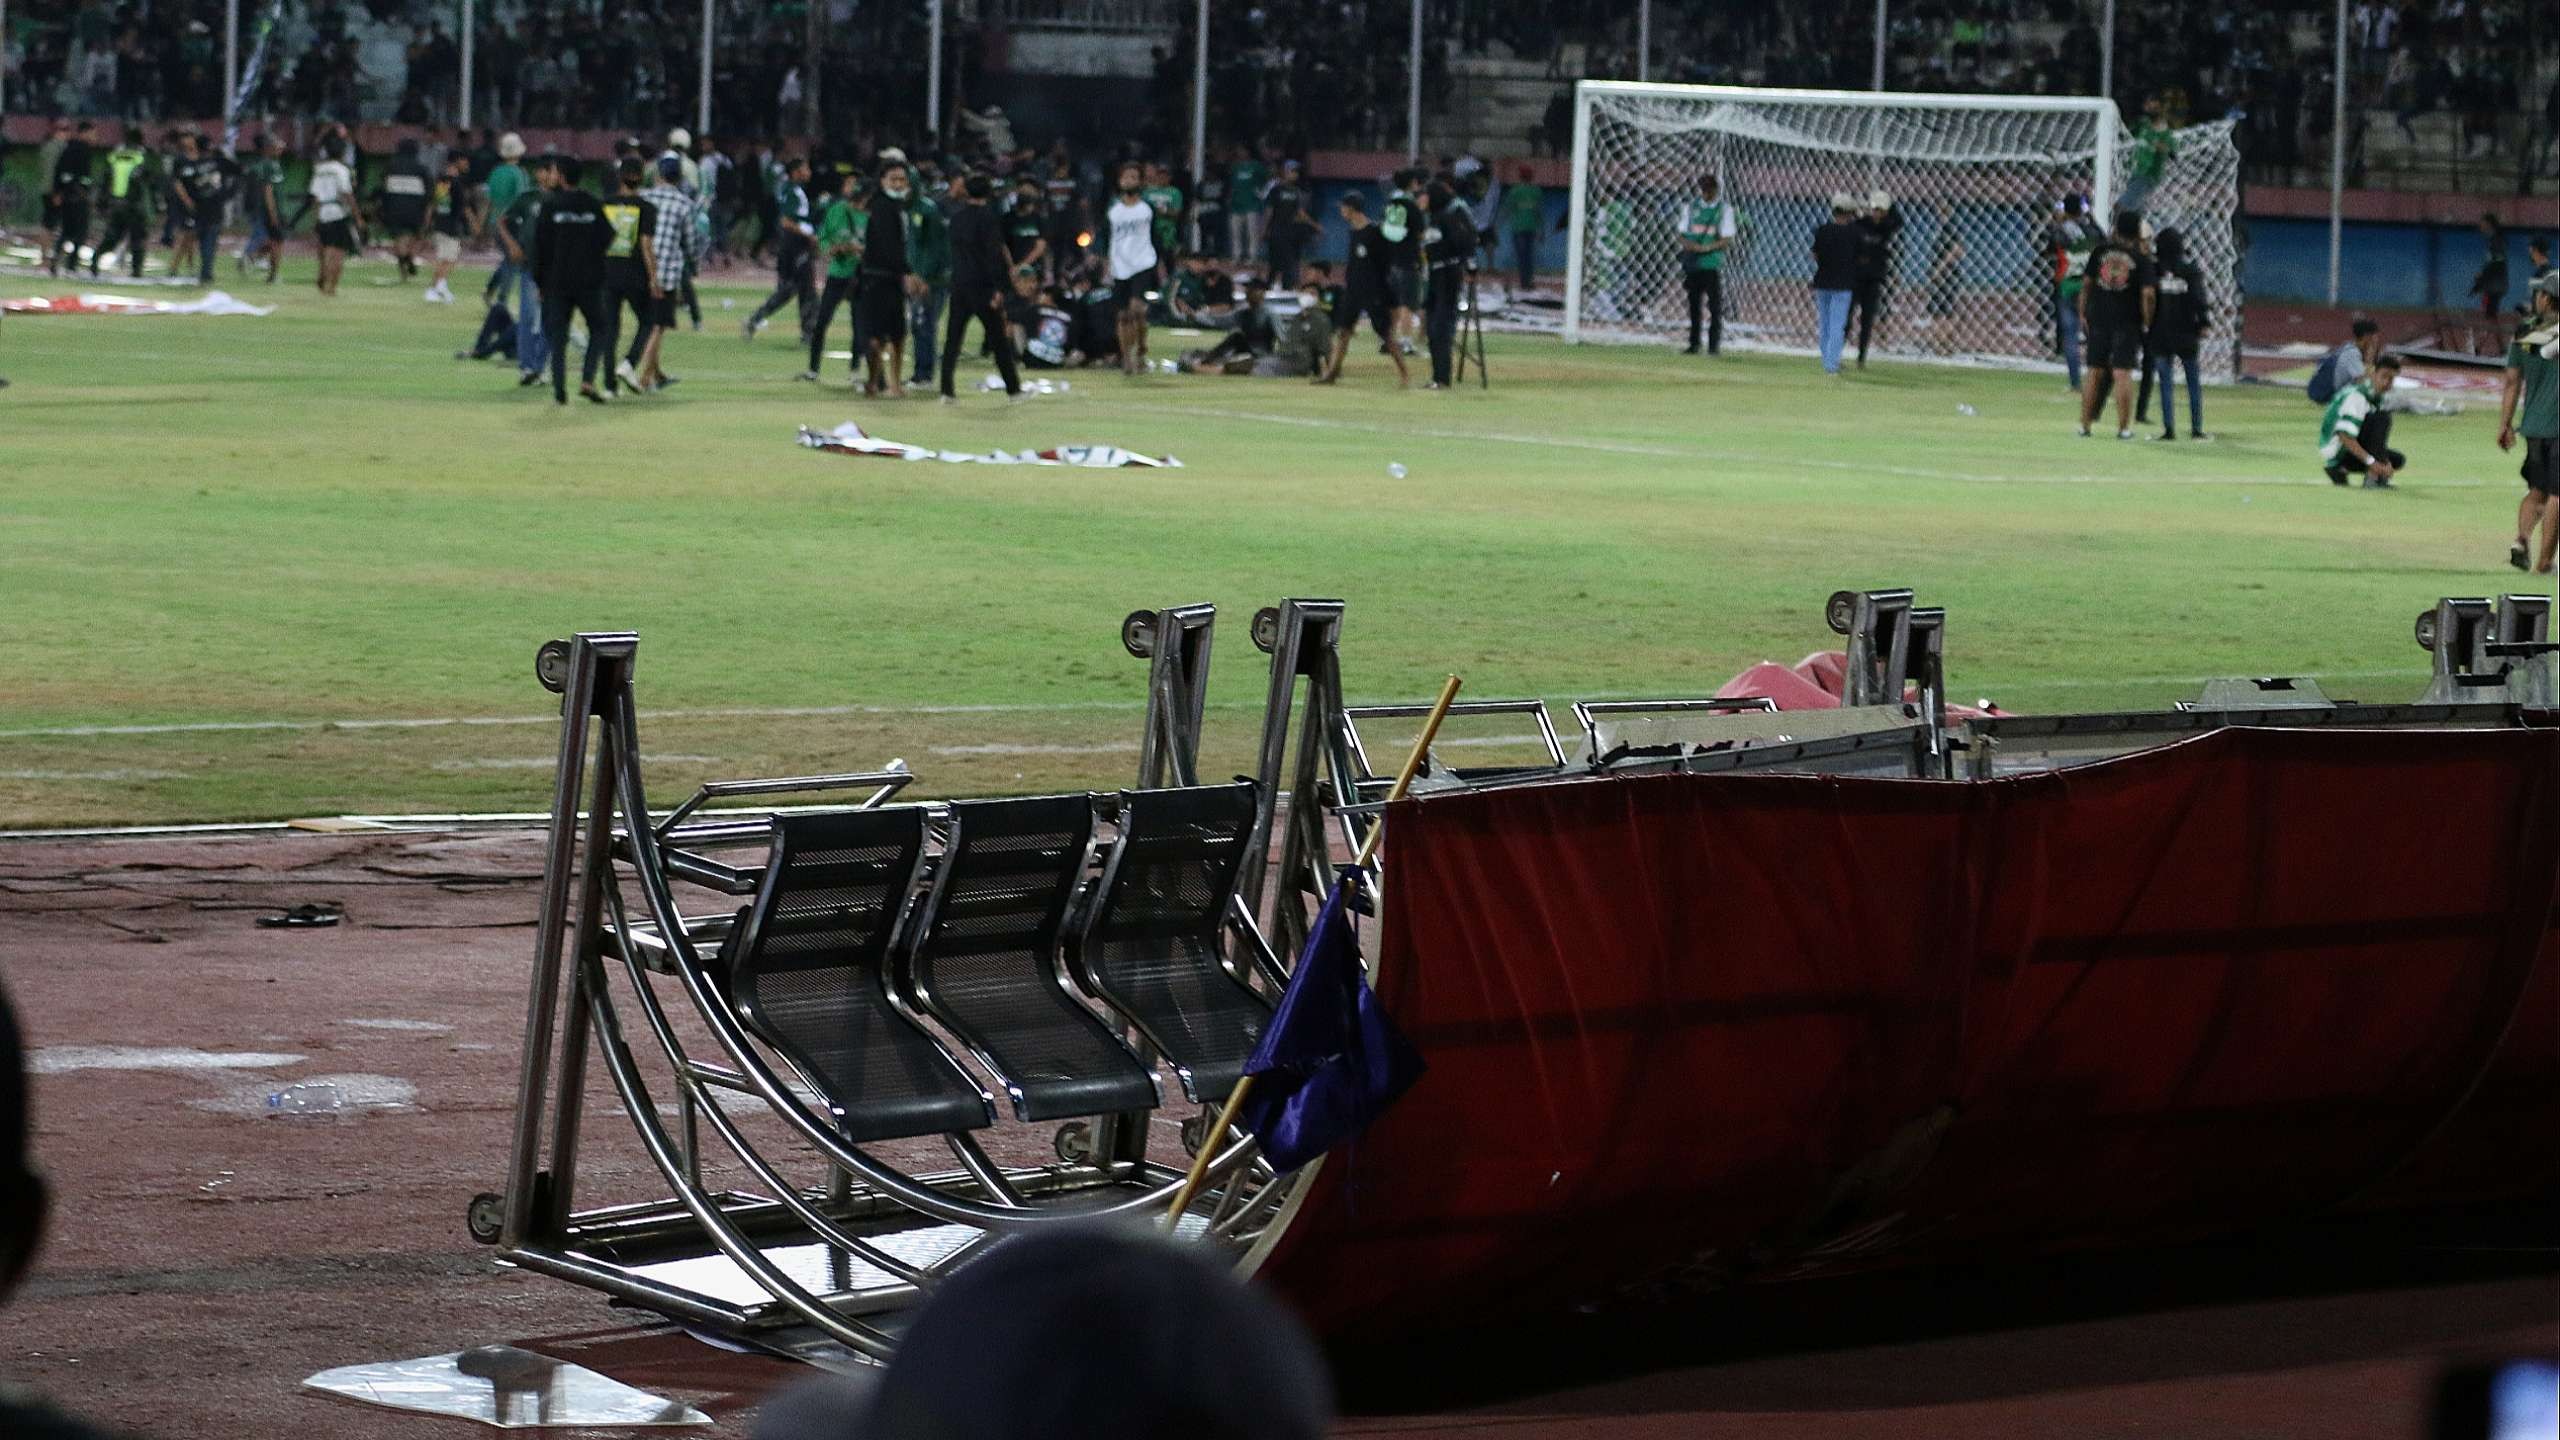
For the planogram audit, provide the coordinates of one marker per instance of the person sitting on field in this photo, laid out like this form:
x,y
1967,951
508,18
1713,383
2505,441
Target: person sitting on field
x,y
1253,337
23,1203
2355,431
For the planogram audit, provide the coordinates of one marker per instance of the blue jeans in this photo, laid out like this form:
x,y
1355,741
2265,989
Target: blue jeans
x,y
2164,366
924,323
1831,318
499,282
1524,253
2066,315
208,244
533,347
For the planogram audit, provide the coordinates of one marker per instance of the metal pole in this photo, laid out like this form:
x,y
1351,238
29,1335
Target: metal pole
x,y
809,74
1200,94
933,77
702,105
230,61
462,111
1877,83
1413,89
1644,39
2338,153
2107,51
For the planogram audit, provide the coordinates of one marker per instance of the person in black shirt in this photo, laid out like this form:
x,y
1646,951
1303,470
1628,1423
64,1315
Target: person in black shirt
x,y
1835,279
1253,337
1286,224
1878,229
883,283
67,191
408,188
1365,292
196,185
1026,227
2117,292
454,220
1448,246
568,269
630,271
2178,323
979,266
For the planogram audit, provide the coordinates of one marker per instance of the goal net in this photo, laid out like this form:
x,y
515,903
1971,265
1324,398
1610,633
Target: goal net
x,y
1974,178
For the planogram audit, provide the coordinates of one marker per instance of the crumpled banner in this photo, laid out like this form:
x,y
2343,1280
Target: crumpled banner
x,y
213,303
851,439
1816,683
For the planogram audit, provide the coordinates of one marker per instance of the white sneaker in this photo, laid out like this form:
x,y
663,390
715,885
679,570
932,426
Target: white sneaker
x,y
627,375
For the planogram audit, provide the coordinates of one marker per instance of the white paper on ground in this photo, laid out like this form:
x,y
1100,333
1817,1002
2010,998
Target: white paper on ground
x,y
506,1388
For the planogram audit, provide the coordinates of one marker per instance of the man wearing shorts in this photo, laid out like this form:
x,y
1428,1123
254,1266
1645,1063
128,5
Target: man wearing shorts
x,y
2530,408
1134,266
1366,292
333,202
408,194
884,281
2117,293
453,220
677,246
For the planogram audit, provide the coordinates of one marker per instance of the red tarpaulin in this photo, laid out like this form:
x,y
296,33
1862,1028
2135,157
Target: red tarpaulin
x,y
1710,1027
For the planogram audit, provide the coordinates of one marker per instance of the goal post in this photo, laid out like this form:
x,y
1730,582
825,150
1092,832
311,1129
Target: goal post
x,y
1973,178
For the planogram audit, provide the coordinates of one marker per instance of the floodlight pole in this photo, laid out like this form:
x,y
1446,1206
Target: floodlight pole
x,y
230,64
2338,153
1877,82
933,77
1413,89
809,73
1199,97
2107,51
1644,39
462,109
702,104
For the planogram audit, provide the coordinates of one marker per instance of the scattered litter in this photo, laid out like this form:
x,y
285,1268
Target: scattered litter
x,y
304,917
62,1059
1964,409
314,1098
1035,385
1395,469
413,1027
215,303
506,1388
319,1096
850,439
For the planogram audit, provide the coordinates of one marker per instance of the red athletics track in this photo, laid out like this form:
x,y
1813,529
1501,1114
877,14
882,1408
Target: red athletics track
x,y
204,1260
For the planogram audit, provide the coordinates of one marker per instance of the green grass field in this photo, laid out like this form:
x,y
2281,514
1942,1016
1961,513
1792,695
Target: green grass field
x,y
321,518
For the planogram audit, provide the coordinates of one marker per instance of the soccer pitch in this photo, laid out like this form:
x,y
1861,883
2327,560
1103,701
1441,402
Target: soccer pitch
x,y
234,546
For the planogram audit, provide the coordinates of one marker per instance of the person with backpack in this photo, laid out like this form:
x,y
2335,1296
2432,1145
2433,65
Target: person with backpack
x,y
2345,365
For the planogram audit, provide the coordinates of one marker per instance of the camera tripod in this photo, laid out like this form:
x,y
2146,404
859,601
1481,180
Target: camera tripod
x,y
1471,334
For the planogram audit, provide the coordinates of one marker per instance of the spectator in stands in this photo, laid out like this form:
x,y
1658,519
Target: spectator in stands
x,y
2489,283
1087,1333
1524,215
2529,407
1835,279
2355,431
23,1206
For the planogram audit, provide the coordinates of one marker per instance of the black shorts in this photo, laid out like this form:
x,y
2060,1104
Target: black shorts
x,y
1404,287
337,235
880,308
2542,466
2114,349
1133,291
1348,310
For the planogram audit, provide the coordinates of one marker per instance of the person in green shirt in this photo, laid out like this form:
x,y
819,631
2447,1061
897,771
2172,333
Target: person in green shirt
x,y
505,183
1524,211
840,236
262,186
929,260
2355,431
515,237
131,177
1247,178
1166,201
2155,144
2529,406
1706,231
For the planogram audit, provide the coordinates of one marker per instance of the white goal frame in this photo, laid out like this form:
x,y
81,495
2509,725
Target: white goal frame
x,y
2098,162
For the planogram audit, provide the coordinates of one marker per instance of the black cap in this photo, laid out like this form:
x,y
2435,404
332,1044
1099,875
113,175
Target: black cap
x,y
1081,1333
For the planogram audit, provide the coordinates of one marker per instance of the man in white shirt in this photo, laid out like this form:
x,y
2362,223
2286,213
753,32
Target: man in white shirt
x,y
1134,265
333,200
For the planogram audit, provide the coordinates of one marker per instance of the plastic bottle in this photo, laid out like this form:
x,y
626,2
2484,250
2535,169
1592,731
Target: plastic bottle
x,y
318,1097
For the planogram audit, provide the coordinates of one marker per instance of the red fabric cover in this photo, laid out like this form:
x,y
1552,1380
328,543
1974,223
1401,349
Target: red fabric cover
x,y
1699,1027
1815,682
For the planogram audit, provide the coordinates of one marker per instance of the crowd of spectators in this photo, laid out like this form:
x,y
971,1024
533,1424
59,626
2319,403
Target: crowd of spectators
x,y
2471,81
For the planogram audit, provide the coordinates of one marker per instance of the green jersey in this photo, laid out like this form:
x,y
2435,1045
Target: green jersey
x,y
521,213
1702,222
2344,418
1524,207
506,183
928,241
845,224
2538,406
1167,203
1245,183
2154,145
263,178
128,174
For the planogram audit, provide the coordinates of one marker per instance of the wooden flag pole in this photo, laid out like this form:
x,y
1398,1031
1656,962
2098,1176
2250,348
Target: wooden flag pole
x,y
1368,850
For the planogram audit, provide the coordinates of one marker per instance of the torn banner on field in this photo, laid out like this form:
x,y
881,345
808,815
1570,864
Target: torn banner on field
x,y
850,439
215,303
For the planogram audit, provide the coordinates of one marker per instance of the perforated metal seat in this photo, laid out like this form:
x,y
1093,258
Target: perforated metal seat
x,y
1150,944
806,972
984,959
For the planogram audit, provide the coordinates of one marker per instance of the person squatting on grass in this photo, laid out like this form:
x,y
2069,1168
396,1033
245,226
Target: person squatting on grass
x,y
2355,431
2529,407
